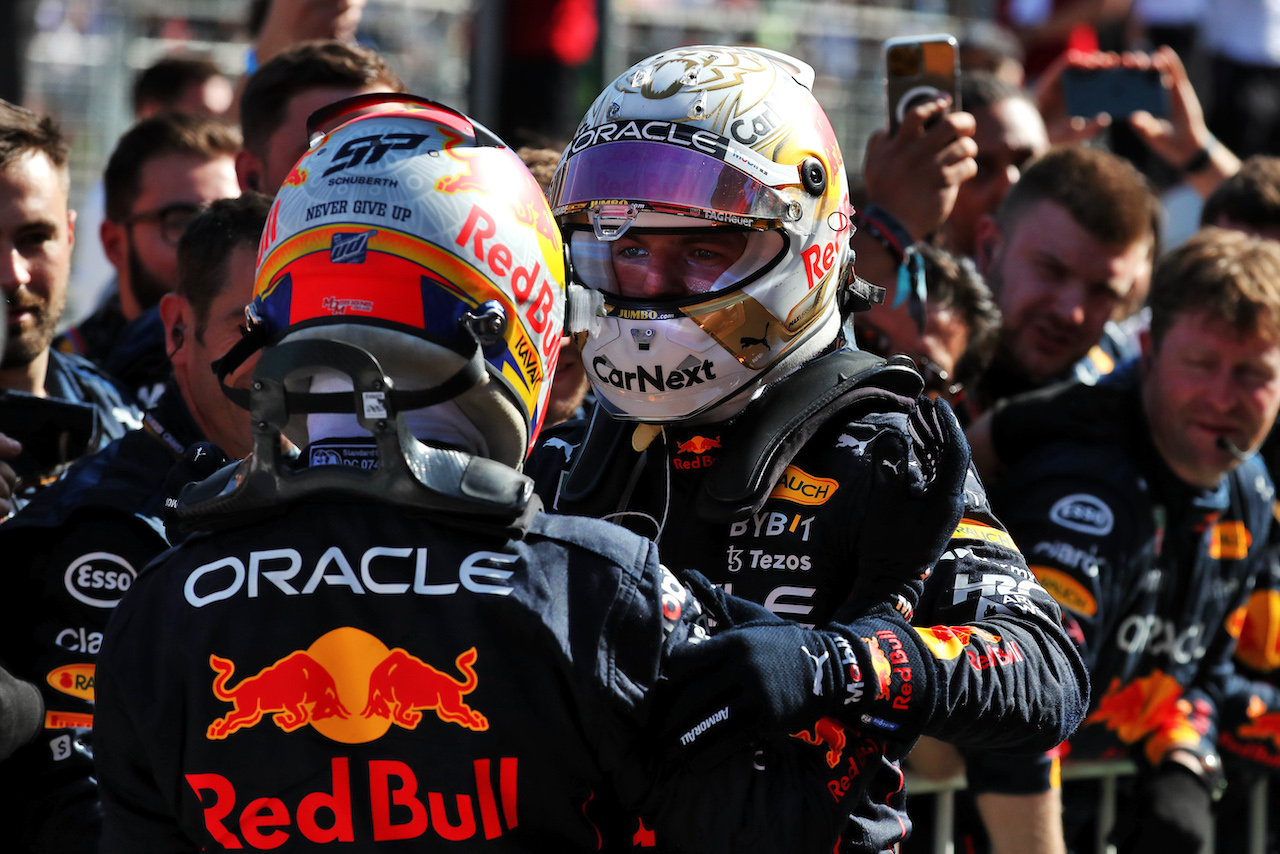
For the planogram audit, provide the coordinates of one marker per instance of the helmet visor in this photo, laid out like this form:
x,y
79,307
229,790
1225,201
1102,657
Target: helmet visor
x,y
668,179
672,263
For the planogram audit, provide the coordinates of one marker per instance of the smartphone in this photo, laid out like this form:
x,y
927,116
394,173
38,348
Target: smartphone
x,y
919,69
1115,91
53,432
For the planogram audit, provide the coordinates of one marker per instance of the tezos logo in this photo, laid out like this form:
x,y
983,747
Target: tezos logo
x,y
370,149
99,579
1084,513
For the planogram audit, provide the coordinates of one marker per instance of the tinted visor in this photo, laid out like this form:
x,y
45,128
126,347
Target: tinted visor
x,y
667,178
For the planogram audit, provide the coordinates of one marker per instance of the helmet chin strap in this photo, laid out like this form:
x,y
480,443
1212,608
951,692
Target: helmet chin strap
x,y
474,492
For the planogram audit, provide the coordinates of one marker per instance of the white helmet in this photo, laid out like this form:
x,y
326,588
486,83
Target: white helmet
x,y
414,233
714,145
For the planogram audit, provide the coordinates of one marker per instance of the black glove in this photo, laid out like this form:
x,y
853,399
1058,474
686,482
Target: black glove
x,y
757,676
760,676
916,502
200,461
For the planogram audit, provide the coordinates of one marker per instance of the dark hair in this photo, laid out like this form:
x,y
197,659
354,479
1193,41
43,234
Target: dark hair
x,y
307,65
167,133
981,89
1250,198
542,163
23,131
166,81
1229,275
954,282
207,244
1104,194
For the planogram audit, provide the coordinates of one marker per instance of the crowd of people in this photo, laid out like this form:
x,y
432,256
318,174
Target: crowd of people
x,y
674,487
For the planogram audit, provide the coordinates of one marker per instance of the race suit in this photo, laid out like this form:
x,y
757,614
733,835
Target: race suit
x,y
380,678
1005,672
1153,575
71,554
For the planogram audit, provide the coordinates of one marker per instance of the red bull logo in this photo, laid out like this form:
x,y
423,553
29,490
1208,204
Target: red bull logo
x,y
882,668
397,808
826,731
698,445
297,176
1139,708
1255,627
1263,725
464,181
947,642
402,684
319,686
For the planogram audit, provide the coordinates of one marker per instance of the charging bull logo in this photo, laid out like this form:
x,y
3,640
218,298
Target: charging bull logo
x,y
698,445
1263,725
403,683
1141,707
319,686
295,690
826,731
881,667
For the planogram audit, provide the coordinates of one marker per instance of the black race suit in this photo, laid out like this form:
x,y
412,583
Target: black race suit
x,y
1153,575
368,677
71,554
1007,677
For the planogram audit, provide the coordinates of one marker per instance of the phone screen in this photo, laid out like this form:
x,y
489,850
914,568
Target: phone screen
x,y
918,70
1115,91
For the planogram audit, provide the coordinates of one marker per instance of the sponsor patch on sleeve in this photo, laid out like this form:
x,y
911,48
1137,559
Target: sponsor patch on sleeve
x,y
970,529
1066,591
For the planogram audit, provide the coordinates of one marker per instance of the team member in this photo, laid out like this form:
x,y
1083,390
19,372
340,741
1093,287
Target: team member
x,y
286,89
162,171
708,224
46,393
422,653
1151,534
75,550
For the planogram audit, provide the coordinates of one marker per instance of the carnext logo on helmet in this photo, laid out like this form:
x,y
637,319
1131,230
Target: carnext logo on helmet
x,y
687,373
1084,513
653,131
350,248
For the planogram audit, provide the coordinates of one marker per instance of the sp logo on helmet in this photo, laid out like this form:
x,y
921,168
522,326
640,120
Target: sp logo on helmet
x,y
370,149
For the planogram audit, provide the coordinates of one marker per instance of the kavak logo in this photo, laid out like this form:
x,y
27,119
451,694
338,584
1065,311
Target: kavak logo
x,y
345,670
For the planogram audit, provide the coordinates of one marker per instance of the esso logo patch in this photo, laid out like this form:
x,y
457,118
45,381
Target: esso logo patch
x,y
99,579
1084,513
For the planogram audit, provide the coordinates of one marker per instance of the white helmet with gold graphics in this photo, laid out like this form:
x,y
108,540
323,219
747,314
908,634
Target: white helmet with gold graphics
x,y
705,205
413,233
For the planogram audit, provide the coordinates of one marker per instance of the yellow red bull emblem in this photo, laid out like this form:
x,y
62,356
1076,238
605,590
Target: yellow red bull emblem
x,y
698,445
344,670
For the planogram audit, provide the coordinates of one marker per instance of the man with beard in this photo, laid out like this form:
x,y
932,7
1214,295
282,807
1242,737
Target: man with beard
x,y
162,172
47,395
1068,243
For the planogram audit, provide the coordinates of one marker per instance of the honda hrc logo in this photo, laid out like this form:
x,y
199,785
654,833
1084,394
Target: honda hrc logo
x,y
370,149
